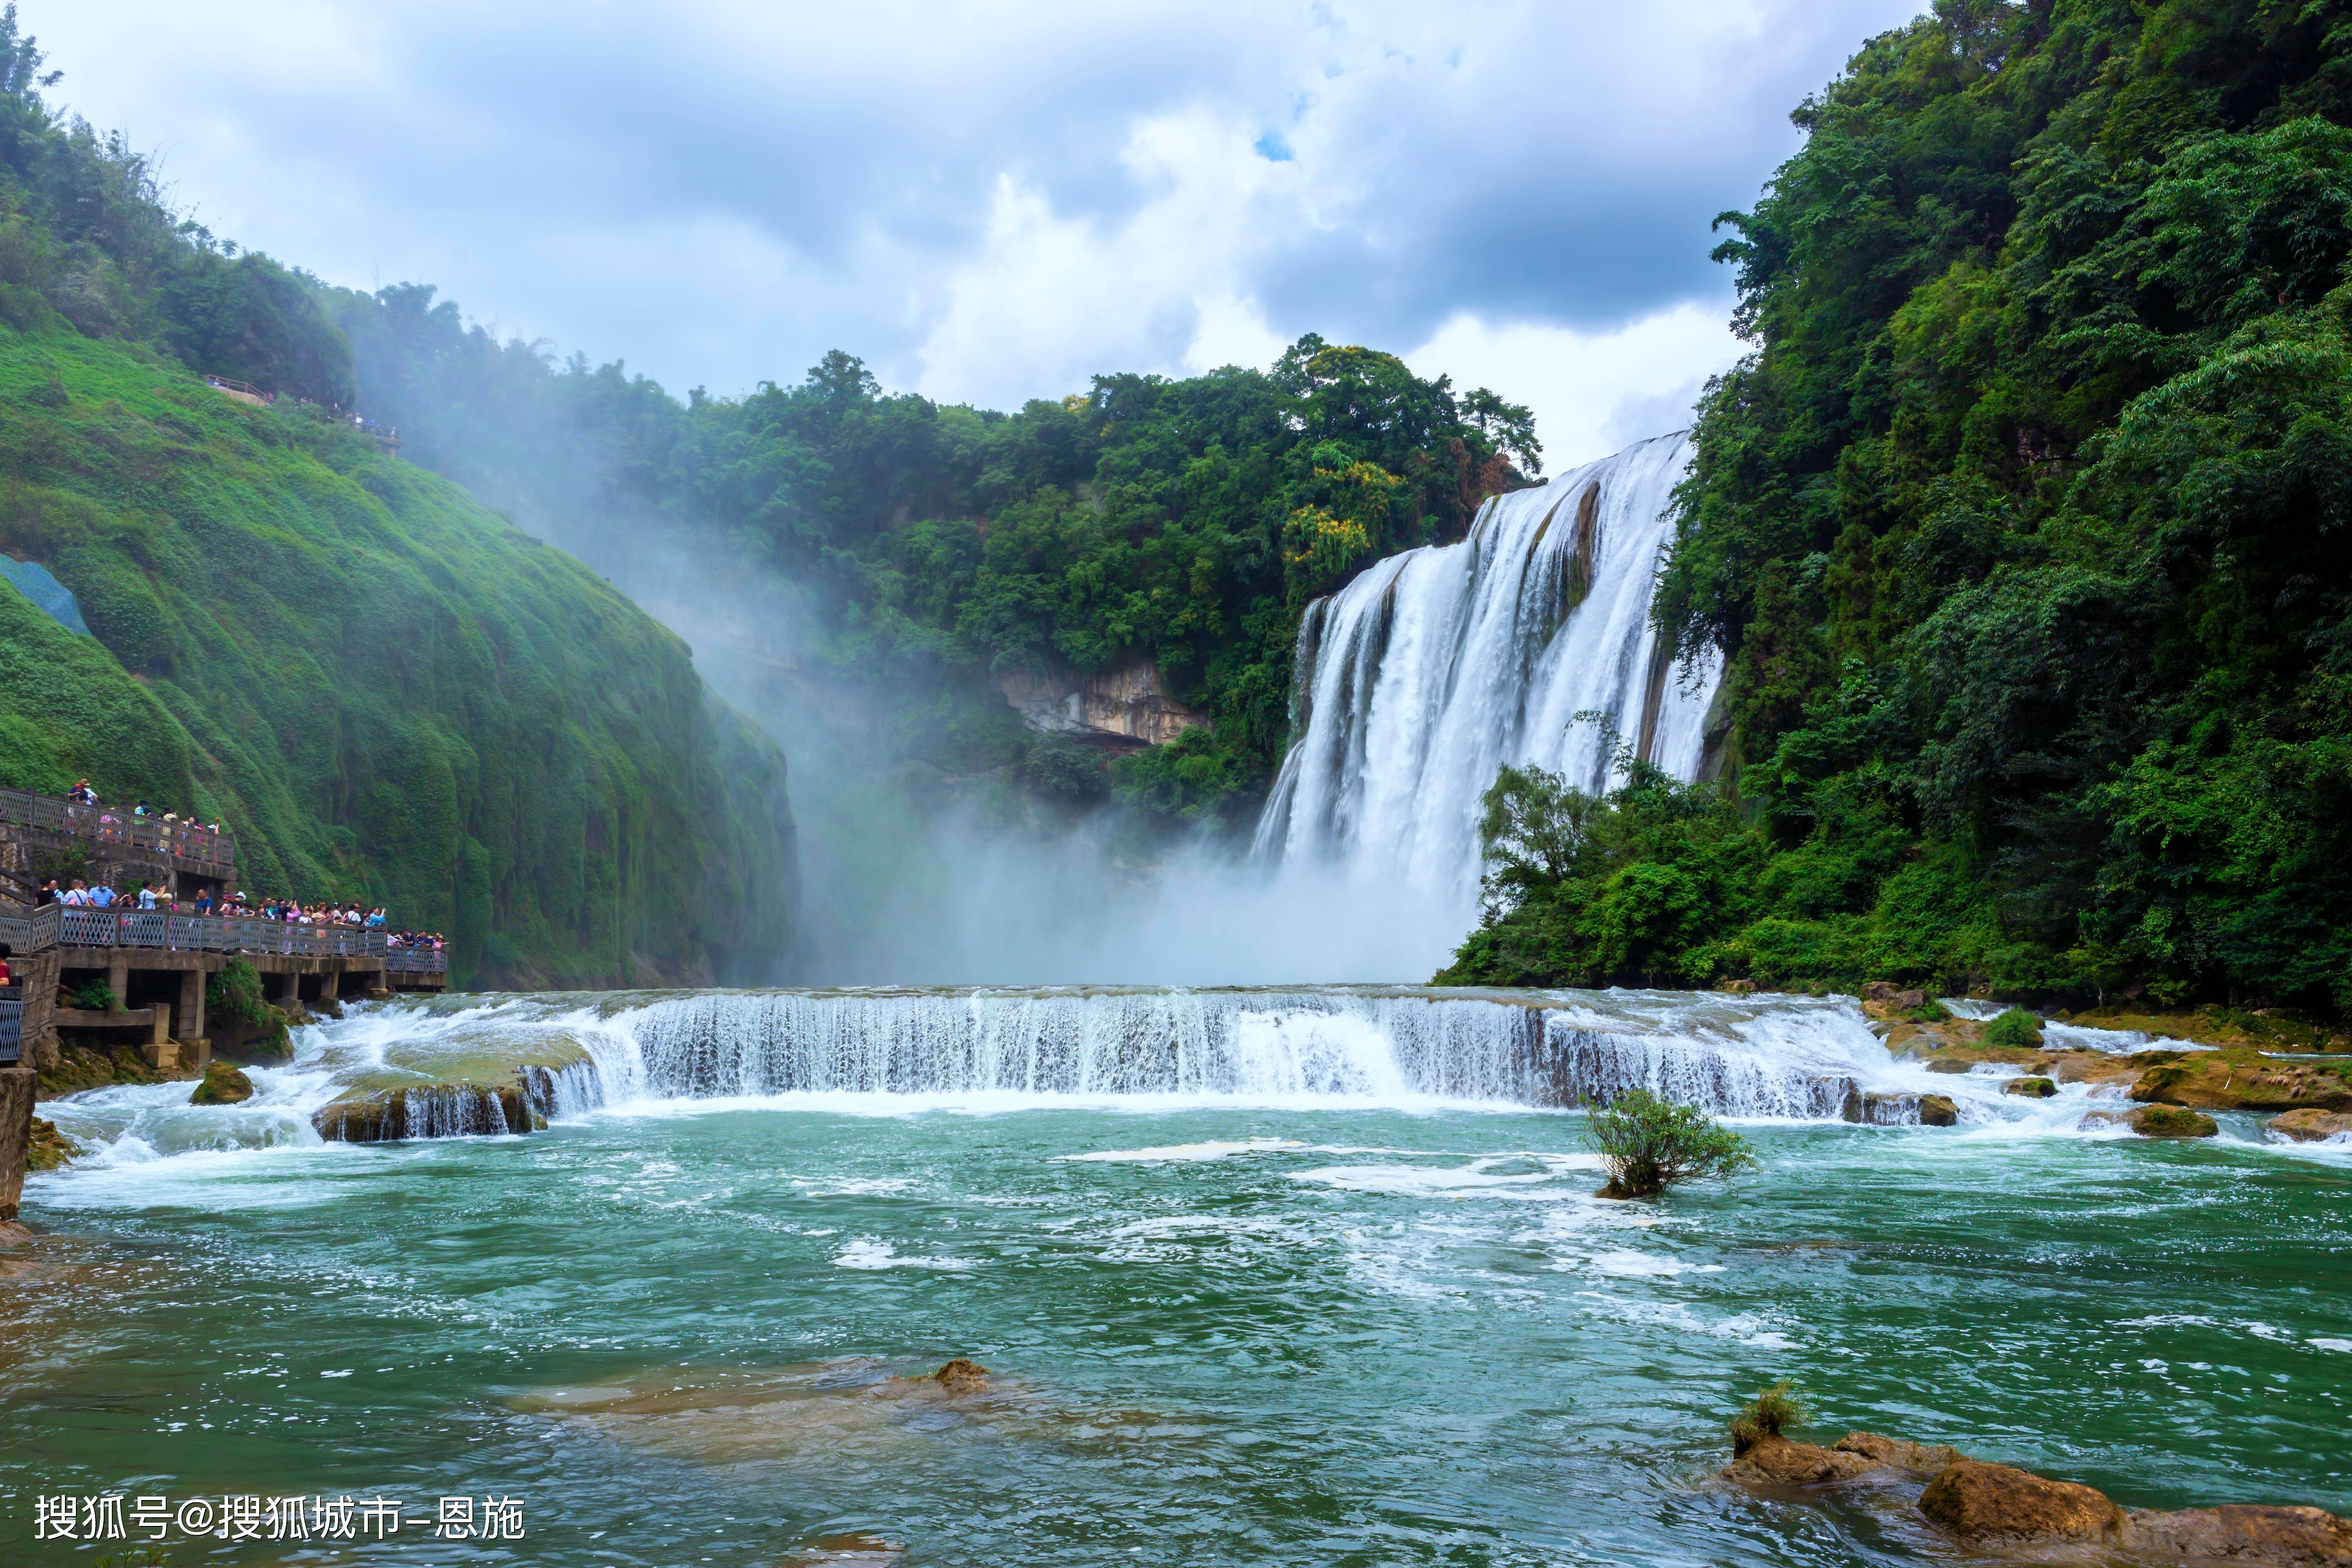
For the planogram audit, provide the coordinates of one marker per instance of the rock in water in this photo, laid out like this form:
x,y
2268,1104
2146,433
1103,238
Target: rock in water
x,y
2238,1532
1939,1111
1921,1461
223,1084
962,1376
1778,1462
1995,1502
2034,1088
2309,1126
2171,1121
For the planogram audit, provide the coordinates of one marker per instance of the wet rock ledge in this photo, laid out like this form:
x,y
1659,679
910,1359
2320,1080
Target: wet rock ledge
x,y
1998,1506
440,1110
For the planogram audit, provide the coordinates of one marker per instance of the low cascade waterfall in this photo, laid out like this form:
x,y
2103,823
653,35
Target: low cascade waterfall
x,y
1419,679
1394,1047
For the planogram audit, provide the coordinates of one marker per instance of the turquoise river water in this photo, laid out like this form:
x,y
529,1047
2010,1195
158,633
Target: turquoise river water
x,y
1313,1278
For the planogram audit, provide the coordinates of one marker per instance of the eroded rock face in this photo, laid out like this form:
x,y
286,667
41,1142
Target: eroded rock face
x,y
2241,1079
2309,1126
1999,1503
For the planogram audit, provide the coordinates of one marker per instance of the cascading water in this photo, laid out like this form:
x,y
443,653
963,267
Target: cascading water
x,y
1418,680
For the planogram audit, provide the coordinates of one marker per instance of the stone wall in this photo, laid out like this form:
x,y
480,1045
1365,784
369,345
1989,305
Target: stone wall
x,y
16,1135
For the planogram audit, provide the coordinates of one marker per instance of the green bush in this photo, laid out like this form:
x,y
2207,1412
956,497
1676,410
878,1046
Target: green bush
x,y
97,997
2016,1027
1769,1414
1648,1144
236,993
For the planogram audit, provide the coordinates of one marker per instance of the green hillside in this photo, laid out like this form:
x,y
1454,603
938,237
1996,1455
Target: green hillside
x,y
385,691
2024,530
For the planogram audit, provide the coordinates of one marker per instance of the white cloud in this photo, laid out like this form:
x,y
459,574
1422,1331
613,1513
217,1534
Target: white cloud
x,y
993,202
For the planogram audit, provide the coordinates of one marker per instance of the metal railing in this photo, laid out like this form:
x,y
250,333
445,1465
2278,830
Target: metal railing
x,y
116,825
12,1025
31,933
220,933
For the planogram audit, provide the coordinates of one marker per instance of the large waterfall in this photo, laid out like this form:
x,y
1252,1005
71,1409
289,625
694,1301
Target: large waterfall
x,y
1419,679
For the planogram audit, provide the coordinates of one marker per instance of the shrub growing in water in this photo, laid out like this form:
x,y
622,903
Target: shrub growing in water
x,y
1769,1414
1649,1145
2015,1028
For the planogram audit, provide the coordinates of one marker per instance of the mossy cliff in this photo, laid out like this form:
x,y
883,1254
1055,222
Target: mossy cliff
x,y
384,691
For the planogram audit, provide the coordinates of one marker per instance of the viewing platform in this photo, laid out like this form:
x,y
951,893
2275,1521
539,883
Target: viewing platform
x,y
194,847
156,962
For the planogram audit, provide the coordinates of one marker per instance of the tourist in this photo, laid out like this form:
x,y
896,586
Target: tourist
x,y
138,810
204,902
146,897
101,896
77,896
82,795
5,978
47,895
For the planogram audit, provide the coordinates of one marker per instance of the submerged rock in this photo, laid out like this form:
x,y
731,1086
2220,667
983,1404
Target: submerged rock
x,y
1777,1461
2032,1087
2241,1533
2000,1506
223,1084
2309,1126
48,1149
2171,1121
1997,1502
962,1376
1939,1111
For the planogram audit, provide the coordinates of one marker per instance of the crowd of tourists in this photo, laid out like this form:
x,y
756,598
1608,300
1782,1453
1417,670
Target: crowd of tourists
x,y
78,894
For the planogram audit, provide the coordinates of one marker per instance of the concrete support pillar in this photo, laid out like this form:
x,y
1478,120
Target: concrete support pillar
x,y
289,990
329,984
118,977
16,1135
192,1005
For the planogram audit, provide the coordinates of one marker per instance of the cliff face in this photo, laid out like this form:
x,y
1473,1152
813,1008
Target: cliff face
x,y
1125,703
384,691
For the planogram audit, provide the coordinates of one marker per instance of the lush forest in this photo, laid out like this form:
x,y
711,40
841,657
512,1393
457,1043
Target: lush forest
x,y
387,692
1185,521
2023,528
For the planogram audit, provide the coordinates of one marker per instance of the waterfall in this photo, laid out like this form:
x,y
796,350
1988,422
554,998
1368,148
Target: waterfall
x,y
1415,682
1389,1045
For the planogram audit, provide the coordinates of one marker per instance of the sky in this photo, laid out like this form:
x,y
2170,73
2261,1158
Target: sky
x,y
991,202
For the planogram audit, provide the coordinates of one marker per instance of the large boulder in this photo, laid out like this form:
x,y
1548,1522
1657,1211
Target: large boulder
x,y
2171,1121
1939,1111
1986,1502
223,1084
2309,1126
2031,1088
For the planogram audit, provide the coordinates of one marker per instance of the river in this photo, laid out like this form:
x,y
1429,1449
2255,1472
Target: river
x,y
1295,1277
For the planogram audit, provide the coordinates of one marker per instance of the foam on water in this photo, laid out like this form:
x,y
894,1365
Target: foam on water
x,y
1142,1050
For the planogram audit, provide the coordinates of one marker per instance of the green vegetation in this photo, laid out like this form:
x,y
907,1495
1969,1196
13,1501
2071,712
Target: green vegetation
x,y
234,994
2021,531
97,997
1769,1414
1186,522
384,691
2017,1028
1648,1144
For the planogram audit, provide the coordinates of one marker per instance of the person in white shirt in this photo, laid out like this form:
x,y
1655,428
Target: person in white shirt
x,y
146,897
